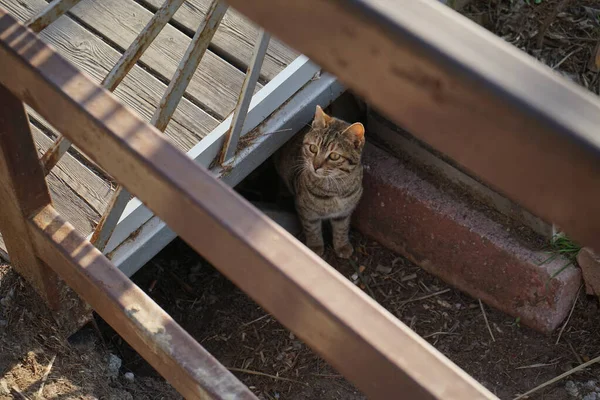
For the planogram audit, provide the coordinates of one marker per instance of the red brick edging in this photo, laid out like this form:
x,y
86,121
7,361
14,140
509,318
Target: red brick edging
x,y
461,245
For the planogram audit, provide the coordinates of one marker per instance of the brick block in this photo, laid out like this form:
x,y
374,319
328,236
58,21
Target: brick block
x,y
461,245
589,261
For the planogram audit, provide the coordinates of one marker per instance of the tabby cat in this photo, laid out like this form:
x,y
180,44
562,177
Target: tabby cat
x,y
323,171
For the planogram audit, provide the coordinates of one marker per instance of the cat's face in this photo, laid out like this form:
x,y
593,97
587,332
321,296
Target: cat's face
x,y
332,148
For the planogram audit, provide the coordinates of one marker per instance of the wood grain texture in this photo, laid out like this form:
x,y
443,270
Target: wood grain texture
x,y
139,90
71,206
90,187
235,38
216,84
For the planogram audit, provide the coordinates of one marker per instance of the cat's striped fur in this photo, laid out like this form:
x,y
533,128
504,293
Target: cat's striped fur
x,y
322,168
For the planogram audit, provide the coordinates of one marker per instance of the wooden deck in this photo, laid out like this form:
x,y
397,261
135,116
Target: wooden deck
x,y
94,34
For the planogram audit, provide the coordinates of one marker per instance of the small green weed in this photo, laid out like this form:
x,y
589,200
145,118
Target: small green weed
x,y
561,245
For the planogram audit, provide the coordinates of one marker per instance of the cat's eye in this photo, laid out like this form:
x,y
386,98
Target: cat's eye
x,y
334,156
313,148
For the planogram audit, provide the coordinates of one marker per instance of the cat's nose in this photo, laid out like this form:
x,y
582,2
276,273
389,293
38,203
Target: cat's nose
x,y
317,166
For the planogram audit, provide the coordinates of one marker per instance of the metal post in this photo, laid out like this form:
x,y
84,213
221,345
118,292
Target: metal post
x,y
241,109
189,64
109,220
49,14
166,108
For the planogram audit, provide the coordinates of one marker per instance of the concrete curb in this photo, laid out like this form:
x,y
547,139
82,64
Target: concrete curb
x,y
460,245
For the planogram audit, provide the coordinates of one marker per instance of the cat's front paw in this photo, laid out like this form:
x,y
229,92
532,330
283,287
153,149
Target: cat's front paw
x,y
344,251
318,249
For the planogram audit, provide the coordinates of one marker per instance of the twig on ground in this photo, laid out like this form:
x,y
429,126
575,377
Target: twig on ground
x,y
577,356
486,320
539,365
255,320
45,376
565,58
439,334
569,317
424,297
558,378
329,376
279,378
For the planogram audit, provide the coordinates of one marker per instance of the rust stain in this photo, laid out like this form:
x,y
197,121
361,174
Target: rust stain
x,y
51,156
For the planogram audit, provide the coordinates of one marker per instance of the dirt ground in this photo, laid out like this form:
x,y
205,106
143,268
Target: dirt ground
x,y
36,361
245,338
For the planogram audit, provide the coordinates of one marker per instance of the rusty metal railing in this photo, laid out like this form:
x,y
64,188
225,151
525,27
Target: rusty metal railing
x,y
362,340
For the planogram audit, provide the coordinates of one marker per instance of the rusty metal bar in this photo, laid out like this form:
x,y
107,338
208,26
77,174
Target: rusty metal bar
x,y
241,109
111,216
367,344
49,14
145,38
192,370
189,63
118,202
22,193
523,129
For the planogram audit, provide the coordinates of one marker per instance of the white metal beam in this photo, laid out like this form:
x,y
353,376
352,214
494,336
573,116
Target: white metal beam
x,y
127,236
154,235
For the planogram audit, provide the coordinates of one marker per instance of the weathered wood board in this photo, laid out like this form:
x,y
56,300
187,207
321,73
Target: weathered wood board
x,y
235,37
215,85
139,90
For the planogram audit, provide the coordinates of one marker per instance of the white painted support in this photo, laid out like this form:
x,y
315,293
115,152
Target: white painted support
x,y
241,109
188,65
270,98
53,11
153,235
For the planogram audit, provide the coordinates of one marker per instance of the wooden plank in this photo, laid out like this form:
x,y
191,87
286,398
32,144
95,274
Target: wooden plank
x,y
90,187
235,38
490,107
192,370
139,89
22,193
71,206
215,85
382,356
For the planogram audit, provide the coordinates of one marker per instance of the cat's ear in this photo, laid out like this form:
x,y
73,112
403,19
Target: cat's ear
x,y
321,119
356,133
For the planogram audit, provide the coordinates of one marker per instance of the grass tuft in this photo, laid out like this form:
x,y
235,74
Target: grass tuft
x,y
561,245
